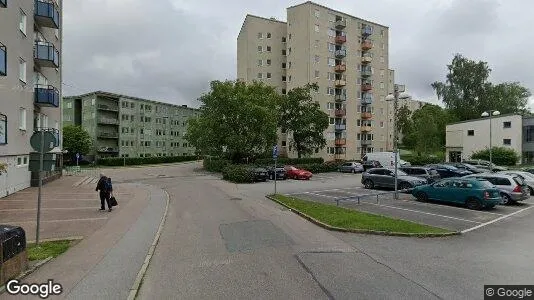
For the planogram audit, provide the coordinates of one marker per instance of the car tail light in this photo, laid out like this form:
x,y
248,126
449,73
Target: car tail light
x,y
517,189
486,195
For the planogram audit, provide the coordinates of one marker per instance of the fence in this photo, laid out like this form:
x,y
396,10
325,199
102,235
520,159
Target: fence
x,y
377,197
78,171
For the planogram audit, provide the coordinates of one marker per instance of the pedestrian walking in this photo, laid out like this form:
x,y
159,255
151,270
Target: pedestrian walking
x,y
106,189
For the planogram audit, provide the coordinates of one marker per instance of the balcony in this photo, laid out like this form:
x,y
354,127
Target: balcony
x,y
46,55
340,112
108,150
367,115
108,121
367,30
340,142
3,3
366,59
340,39
366,142
340,83
54,131
46,14
367,72
340,24
46,96
341,97
365,128
341,53
367,98
108,135
366,87
341,127
3,60
108,107
367,45
340,68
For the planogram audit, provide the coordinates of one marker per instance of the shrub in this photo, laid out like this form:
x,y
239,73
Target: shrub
x,y
215,164
130,161
289,161
500,156
319,168
238,174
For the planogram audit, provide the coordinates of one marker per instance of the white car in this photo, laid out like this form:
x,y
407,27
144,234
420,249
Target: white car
x,y
527,177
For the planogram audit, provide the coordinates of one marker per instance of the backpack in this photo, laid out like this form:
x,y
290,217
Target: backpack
x,y
107,185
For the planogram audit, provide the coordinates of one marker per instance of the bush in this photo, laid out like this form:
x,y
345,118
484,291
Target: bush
x,y
130,161
289,161
238,174
319,168
215,164
500,156
421,160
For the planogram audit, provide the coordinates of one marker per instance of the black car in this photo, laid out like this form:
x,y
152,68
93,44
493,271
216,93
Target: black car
x,y
369,164
446,171
430,175
280,173
260,174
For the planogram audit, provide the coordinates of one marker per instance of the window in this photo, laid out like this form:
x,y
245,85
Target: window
x,y
283,91
331,47
289,78
69,105
22,25
383,46
382,32
382,73
22,118
269,48
260,76
331,62
284,143
268,75
382,85
290,36
382,59
316,28
22,70
470,132
507,142
316,74
330,105
284,78
283,65
268,35
268,62
317,14
260,62
260,49
283,51
332,121
260,35
330,91
331,33
283,39
93,101
316,58
331,76
507,124
316,44
381,124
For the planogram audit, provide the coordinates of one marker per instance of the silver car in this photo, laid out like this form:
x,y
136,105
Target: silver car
x,y
351,167
526,176
385,177
513,188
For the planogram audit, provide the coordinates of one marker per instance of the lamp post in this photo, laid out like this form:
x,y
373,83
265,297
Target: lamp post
x,y
490,114
398,93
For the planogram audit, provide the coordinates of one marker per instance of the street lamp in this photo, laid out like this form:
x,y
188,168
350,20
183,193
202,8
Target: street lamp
x,y
398,93
490,114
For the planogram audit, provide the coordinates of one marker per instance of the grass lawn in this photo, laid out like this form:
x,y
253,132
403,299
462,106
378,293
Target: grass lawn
x,y
353,219
47,249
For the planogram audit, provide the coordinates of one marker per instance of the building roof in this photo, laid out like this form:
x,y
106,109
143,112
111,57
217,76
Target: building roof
x,y
486,118
258,17
103,93
337,11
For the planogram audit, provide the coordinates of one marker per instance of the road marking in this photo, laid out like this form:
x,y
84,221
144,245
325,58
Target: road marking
x,y
66,220
495,220
50,208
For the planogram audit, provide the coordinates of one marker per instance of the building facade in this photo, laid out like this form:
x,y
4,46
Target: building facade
x,y
345,55
124,126
30,86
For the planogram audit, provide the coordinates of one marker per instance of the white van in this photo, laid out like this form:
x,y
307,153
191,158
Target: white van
x,y
386,159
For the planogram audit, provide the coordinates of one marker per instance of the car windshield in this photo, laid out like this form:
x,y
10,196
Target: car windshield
x,y
399,172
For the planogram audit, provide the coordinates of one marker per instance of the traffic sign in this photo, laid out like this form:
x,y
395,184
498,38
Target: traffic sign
x,y
77,155
49,141
275,151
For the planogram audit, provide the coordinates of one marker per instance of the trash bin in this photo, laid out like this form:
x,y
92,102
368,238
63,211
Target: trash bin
x,y
13,255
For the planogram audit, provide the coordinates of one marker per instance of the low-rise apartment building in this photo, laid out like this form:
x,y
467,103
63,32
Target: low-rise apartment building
x,y
125,126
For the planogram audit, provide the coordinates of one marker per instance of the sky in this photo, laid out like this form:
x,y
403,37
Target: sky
x,y
170,50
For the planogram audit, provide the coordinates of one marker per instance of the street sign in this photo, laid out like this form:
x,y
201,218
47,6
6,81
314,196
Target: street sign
x,y
49,141
77,155
275,151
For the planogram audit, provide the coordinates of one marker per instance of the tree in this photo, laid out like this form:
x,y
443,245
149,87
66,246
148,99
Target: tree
x,y
76,140
303,118
404,119
500,156
238,116
467,92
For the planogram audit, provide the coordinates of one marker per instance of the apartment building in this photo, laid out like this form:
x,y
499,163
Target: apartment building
x,y
30,86
125,126
345,55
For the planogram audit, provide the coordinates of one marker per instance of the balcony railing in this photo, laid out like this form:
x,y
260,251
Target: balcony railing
x,y
367,45
108,150
340,142
46,55
108,107
366,115
46,96
54,131
341,53
340,82
366,87
340,68
366,142
367,72
367,59
3,3
340,112
46,14
340,39
340,24
108,121
3,60
108,135
341,127
367,30
341,97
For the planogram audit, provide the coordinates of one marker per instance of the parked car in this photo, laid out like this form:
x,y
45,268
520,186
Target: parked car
x,y
295,173
512,187
369,164
430,175
385,177
526,176
446,171
351,167
475,193
466,167
260,174
280,173
484,164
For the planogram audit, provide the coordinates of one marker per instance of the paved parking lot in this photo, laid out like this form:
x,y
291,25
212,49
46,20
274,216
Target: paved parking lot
x,y
382,202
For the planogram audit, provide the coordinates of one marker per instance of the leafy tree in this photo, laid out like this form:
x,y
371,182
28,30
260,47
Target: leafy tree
x,y
242,117
467,91
303,118
500,156
404,119
76,140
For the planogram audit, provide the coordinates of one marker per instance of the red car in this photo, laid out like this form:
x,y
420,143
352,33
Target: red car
x,y
294,173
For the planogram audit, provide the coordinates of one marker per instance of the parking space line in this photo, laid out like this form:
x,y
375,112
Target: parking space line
x,y
495,220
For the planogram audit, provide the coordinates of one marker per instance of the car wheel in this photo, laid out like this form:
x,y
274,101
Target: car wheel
x,y
473,203
368,184
353,171
506,200
404,186
421,197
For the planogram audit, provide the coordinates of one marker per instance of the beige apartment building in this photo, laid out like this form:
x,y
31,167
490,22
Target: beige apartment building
x,y
346,56
30,86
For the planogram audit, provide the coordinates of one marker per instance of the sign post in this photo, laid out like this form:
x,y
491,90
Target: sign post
x,y
275,157
77,159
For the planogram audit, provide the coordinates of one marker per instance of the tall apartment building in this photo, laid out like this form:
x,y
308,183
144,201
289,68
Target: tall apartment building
x,y
124,126
30,85
345,55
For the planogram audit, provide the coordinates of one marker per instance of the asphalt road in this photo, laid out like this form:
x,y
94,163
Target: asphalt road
x,y
226,241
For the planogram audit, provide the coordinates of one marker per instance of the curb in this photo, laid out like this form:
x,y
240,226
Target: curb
x,y
137,283
364,231
28,272
69,238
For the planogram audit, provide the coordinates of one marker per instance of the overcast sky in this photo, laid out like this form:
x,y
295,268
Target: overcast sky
x,y
169,50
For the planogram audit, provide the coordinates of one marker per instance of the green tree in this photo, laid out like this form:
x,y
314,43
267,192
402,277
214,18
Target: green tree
x,y
303,118
427,132
500,156
238,116
76,140
467,92
404,115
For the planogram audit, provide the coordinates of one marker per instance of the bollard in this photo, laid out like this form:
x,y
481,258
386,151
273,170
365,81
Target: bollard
x,y
376,198
337,202
358,199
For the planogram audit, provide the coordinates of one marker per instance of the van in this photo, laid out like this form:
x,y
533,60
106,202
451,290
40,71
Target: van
x,y
386,159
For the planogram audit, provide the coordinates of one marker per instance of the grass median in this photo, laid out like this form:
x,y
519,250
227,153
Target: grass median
x,y
48,249
356,220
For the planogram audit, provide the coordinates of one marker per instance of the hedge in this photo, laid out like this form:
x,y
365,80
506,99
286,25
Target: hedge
x,y
130,161
238,174
500,156
289,161
215,164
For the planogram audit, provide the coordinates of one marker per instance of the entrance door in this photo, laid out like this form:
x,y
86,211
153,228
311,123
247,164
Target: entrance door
x,y
455,156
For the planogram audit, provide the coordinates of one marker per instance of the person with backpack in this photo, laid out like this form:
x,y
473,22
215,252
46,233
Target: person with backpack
x,y
106,190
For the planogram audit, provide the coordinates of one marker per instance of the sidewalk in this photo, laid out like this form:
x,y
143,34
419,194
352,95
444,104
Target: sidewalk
x,y
105,263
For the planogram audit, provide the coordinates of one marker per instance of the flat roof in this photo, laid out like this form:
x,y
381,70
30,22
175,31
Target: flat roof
x,y
258,17
103,93
485,118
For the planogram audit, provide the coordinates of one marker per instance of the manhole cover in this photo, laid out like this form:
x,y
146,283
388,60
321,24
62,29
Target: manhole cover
x,y
236,199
